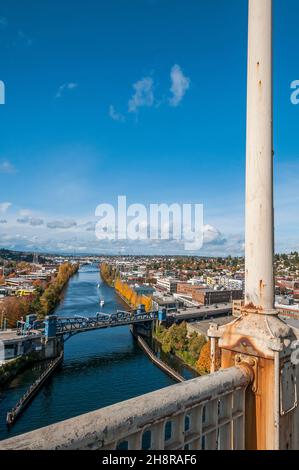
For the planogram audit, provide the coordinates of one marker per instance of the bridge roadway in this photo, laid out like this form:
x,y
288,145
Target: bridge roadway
x,y
70,326
203,313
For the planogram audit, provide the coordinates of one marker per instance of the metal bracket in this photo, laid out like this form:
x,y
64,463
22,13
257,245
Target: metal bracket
x,y
252,363
285,388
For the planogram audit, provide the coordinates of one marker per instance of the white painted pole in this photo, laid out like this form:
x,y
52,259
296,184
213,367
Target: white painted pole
x,y
259,239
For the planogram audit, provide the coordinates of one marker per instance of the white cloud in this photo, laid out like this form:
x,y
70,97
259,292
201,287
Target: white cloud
x,y
64,224
115,115
7,167
25,212
23,220
33,221
213,235
88,226
66,86
179,85
143,96
85,241
4,206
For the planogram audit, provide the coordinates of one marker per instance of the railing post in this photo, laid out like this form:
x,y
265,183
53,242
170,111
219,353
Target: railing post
x,y
158,437
258,338
214,335
213,355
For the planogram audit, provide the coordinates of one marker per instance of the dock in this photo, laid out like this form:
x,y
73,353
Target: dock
x,y
18,409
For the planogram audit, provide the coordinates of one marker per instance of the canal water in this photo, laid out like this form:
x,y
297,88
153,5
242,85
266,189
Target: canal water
x,y
100,367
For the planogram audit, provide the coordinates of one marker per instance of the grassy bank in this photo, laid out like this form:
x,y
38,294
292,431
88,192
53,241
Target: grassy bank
x,y
193,350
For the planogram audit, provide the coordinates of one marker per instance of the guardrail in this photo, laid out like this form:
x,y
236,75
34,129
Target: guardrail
x,y
204,413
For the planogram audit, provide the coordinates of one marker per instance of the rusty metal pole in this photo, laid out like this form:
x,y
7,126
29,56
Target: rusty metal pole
x,y
213,355
259,240
259,339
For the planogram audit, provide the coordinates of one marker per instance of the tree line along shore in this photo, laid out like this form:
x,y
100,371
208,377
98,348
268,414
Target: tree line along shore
x,y
193,349
42,301
111,276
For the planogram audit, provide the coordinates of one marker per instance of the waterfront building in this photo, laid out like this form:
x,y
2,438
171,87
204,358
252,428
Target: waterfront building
x,y
169,302
232,283
185,288
209,296
167,283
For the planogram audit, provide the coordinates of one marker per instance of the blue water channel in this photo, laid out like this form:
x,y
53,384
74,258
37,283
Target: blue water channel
x,y
100,367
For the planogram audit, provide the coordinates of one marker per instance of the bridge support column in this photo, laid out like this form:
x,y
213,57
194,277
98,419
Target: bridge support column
x,y
53,345
259,339
142,329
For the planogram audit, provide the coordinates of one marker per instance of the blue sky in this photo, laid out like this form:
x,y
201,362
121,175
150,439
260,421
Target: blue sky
x,y
143,98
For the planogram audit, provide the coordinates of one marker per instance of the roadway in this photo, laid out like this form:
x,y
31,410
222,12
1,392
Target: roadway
x,y
204,312
81,324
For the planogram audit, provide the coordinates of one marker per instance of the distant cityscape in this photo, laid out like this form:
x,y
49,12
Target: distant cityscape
x,y
172,282
149,256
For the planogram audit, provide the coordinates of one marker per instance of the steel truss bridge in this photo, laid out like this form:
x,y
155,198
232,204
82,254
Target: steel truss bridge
x,y
68,327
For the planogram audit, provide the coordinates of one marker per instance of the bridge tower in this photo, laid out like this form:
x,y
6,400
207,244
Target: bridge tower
x,y
53,345
259,339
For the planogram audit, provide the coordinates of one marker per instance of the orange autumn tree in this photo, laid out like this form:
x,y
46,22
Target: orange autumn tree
x,y
134,299
109,274
15,308
148,302
204,361
129,294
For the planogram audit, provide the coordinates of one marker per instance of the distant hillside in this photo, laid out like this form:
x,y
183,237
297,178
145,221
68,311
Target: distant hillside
x,y
18,256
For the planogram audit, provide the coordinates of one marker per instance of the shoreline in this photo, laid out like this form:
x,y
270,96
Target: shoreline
x,y
123,299
185,364
61,293
151,352
10,370
157,361
116,292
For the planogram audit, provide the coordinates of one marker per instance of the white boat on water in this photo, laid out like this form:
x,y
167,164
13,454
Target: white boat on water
x,y
102,303
99,285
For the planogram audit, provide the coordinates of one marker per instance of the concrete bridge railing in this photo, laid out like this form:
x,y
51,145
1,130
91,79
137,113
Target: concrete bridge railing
x,y
203,413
